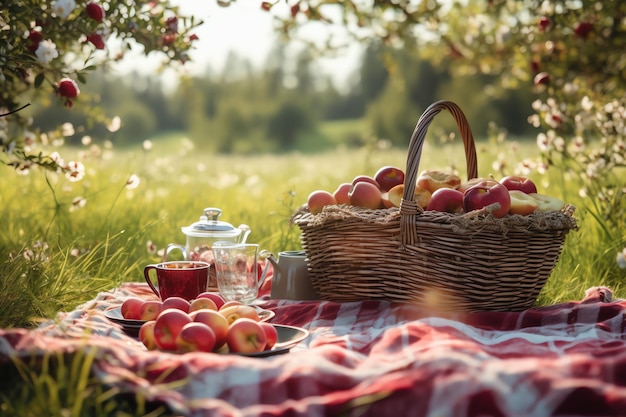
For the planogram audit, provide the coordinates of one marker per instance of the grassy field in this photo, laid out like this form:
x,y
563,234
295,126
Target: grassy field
x,y
62,241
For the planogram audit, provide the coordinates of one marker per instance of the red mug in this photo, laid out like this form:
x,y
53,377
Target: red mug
x,y
184,279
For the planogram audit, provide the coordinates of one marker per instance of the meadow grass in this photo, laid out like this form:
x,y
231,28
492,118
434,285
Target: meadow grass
x,y
57,253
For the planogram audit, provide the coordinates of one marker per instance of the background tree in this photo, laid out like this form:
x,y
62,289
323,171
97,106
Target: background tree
x,y
48,46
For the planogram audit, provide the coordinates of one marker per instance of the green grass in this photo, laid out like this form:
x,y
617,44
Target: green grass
x,y
74,253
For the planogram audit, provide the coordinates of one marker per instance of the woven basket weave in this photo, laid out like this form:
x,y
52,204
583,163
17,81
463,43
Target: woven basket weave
x,y
459,262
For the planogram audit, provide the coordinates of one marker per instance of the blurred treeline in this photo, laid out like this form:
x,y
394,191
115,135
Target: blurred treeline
x,y
282,106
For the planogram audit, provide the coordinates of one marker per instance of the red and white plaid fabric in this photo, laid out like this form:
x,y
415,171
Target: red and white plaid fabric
x,y
370,359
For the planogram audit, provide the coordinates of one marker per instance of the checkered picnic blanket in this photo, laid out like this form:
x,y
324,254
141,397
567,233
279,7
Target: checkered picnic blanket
x,y
369,358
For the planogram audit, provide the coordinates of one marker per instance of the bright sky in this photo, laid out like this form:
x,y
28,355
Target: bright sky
x,y
243,28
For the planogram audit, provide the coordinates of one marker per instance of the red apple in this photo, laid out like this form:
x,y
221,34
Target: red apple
x,y
216,321
583,29
318,199
421,195
513,182
231,303
446,200
365,178
486,193
215,297
246,336
202,304
522,203
131,308
341,193
470,183
366,194
434,179
232,313
547,203
542,78
195,337
168,325
146,335
150,310
388,177
176,302
271,335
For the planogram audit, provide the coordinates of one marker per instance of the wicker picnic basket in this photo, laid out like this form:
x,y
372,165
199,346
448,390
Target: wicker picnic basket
x,y
458,262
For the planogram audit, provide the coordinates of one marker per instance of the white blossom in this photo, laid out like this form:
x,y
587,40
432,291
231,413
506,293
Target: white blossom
x,y
46,51
63,8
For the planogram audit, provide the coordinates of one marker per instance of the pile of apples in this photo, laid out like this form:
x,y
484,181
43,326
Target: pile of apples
x,y
439,191
206,324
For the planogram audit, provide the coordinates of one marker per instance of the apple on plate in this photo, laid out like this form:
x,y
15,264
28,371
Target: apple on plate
x,y
446,200
202,304
514,182
215,297
522,203
195,337
131,308
234,312
176,302
487,193
271,335
167,326
341,193
150,310
388,177
246,336
547,203
318,199
365,194
146,335
216,321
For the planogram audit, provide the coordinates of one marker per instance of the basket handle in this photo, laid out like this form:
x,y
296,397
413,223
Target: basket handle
x,y
408,207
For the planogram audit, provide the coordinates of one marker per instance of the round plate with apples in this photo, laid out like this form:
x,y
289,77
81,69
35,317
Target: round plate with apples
x,y
114,314
288,337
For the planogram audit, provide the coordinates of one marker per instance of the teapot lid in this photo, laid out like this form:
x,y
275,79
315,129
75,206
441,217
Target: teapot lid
x,y
209,225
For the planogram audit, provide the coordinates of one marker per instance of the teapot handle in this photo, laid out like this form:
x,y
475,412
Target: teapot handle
x,y
174,246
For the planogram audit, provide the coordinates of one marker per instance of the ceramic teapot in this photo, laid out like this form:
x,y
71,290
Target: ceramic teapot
x,y
290,279
202,234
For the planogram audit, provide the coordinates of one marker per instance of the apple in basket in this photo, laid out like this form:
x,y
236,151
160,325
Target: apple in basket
x,y
341,193
367,195
195,337
421,195
446,200
513,182
435,179
246,336
547,203
388,177
522,203
167,326
486,193
318,199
